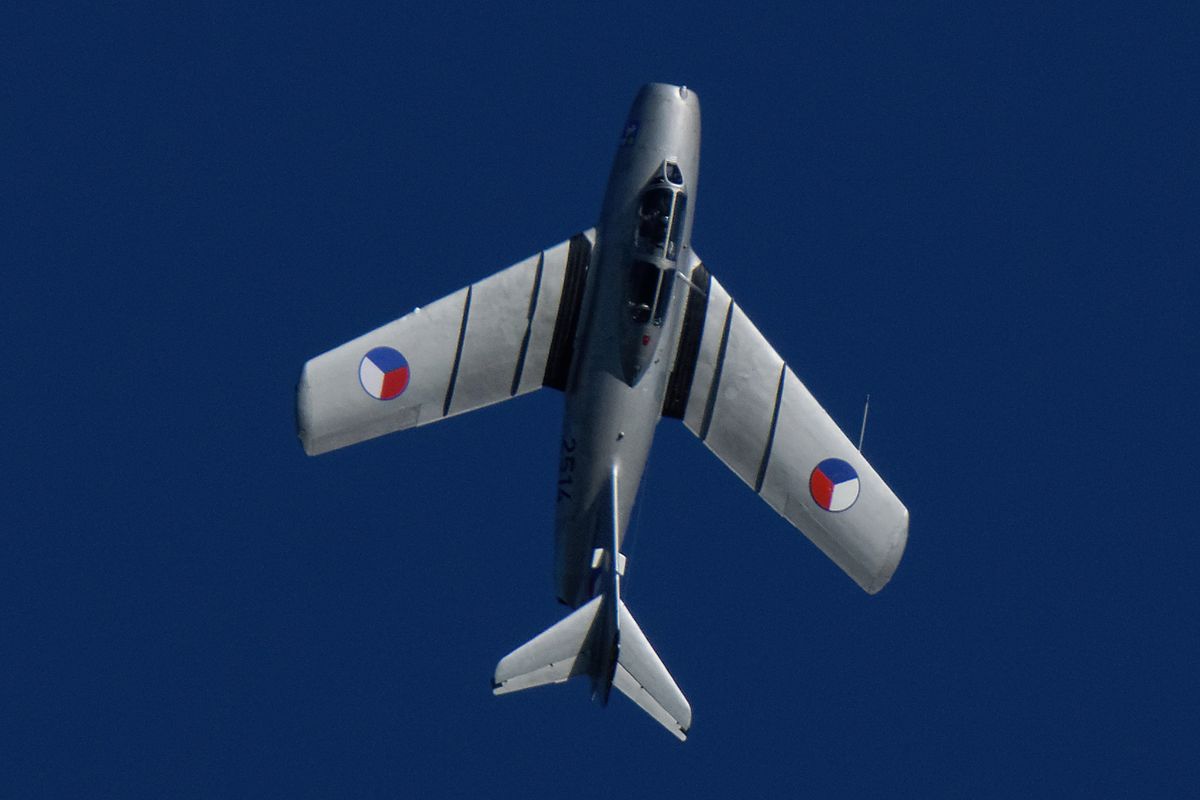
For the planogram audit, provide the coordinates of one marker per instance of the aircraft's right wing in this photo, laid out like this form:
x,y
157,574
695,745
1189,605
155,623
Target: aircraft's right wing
x,y
732,390
508,334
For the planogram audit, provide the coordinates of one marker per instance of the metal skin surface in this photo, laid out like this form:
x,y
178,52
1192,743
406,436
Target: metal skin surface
x,y
462,355
611,414
631,326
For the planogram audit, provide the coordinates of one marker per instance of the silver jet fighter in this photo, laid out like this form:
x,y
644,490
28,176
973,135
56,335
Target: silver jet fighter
x,y
627,322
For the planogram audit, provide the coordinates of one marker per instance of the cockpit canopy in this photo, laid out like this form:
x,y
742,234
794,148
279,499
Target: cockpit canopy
x,y
650,290
662,210
670,171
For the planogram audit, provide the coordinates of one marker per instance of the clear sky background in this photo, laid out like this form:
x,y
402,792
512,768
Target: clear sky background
x,y
984,218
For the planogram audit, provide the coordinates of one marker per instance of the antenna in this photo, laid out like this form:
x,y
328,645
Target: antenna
x,y
863,432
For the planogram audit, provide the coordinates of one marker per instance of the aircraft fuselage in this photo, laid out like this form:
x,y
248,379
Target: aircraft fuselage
x,y
627,334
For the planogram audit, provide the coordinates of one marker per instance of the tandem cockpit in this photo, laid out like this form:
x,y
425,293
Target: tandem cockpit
x,y
657,243
657,240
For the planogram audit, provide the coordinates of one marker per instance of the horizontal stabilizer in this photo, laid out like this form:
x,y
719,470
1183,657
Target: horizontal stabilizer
x,y
642,678
552,656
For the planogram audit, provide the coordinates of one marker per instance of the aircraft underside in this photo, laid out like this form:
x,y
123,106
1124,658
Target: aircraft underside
x,y
628,323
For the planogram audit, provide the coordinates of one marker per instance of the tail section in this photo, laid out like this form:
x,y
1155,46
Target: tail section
x,y
600,639
552,656
641,677
582,644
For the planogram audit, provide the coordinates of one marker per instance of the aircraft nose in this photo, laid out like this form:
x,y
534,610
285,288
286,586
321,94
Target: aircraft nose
x,y
662,101
653,93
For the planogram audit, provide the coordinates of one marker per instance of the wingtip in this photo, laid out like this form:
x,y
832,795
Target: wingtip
x,y
303,413
892,560
300,409
308,443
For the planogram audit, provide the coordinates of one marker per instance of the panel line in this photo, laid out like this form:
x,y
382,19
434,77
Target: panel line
x,y
462,336
716,381
766,459
533,301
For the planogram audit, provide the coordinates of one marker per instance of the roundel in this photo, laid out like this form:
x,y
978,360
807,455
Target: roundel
x,y
383,373
834,484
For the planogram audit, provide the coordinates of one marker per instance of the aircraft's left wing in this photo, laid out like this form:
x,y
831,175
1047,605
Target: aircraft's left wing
x,y
506,335
732,390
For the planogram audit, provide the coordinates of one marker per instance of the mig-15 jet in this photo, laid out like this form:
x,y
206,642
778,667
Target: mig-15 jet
x,y
629,324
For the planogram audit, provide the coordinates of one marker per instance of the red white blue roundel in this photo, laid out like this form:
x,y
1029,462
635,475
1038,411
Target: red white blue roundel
x,y
383,373
834,485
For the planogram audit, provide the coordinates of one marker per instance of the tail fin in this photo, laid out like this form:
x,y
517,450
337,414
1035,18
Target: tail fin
x,y
552,656
641,676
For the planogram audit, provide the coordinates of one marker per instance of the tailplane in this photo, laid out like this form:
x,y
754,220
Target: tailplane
x,y
641,677
552,656
576,646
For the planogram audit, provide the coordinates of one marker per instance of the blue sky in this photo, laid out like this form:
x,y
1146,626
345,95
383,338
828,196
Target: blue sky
x,y
983,218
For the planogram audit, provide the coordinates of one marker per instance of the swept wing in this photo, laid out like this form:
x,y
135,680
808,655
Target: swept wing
x,y
504,336
734,392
